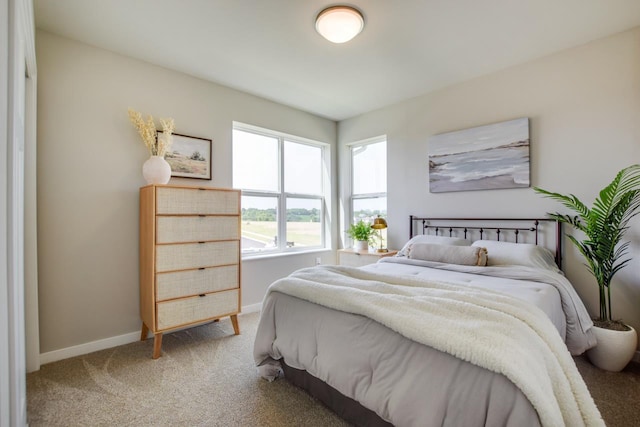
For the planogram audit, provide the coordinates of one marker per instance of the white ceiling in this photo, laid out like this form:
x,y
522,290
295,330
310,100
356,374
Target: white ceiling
x,y
270,48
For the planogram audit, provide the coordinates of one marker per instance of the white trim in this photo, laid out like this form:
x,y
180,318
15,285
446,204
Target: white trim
x,y
372,140
266,255
274,133
16,45
86,348
253,308
25,10
103,344
32,329
32,334
5,344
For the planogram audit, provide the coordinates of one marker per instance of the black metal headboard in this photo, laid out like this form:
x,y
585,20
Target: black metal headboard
x,y
506,229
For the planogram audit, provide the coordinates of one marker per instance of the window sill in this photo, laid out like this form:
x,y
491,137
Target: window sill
x,y
283,254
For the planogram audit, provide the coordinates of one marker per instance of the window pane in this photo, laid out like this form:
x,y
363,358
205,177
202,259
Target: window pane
x,y
368,209
302,168
259,224
303,222
370,168
255,161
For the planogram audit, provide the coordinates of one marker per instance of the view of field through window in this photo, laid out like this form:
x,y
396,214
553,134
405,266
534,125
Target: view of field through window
x,y
260,223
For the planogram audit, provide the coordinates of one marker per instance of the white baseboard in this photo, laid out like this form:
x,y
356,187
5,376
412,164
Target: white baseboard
x,y
253,308
90,347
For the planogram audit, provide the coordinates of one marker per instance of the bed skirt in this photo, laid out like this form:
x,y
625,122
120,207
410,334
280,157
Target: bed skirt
x,y
345,407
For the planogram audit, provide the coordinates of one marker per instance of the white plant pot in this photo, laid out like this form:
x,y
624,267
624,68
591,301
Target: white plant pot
x,y
156,170
361,245
614,350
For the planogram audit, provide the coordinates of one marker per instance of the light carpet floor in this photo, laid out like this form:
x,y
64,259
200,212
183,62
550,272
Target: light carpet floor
x,y
206,377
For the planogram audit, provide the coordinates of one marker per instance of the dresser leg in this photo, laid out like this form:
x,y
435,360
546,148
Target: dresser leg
x,y
234,322
144,333
157,345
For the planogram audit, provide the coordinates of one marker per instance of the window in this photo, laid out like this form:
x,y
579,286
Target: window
x,y
369,180
282,178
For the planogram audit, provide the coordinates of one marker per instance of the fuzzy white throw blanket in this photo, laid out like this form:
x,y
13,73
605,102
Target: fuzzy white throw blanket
x,y
488,329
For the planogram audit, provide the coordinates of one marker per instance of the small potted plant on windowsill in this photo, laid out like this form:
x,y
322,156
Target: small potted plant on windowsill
x,y
362,234
604,226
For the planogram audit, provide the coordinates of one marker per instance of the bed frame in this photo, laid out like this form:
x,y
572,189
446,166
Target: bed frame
x,y
539,231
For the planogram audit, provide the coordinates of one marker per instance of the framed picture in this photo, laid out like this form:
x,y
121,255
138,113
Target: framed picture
x,y
190,157
482,158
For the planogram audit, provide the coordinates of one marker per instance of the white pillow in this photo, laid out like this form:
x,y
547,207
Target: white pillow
x,y
526,254
434,240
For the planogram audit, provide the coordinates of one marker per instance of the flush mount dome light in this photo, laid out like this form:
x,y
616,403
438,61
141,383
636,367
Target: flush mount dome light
x,y
339,24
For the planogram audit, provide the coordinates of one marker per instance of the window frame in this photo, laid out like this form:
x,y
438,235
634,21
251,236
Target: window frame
x,y
363,196
282,196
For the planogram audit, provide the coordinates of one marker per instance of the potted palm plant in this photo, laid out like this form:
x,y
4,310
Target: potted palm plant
x,y
362,234
604,225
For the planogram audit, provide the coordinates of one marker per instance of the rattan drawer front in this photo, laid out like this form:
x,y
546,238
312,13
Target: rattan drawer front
x,y
195,282
195,201
174,229
184,311
194,255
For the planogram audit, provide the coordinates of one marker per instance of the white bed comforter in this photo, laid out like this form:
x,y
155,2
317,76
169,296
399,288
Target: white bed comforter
x,y
488,329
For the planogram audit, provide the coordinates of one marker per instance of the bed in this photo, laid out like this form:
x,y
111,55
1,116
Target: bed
x,y
428,338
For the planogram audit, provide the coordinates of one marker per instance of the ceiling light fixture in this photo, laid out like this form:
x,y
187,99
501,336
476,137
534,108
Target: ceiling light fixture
x,y
339,24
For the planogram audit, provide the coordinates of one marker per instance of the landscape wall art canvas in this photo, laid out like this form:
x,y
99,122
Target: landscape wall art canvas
x,y
482,158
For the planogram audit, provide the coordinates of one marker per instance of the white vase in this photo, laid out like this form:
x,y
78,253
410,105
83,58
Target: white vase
x,y
361,245
614,350
156,170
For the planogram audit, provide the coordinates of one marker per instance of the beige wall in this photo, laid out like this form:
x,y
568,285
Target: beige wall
x,y
584,110
89,171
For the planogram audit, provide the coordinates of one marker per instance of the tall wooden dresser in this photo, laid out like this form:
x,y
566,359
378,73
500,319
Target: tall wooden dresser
x,y
189,258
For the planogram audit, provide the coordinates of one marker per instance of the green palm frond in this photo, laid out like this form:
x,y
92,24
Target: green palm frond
x,y
604,225
570,201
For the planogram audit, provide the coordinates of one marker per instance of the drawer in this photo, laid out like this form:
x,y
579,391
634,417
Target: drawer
x,y
184,311
188,256
195,282
191,201
173,229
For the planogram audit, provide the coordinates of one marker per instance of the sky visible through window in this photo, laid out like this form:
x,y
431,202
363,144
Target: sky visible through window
x,y
370,168
255,161
255,167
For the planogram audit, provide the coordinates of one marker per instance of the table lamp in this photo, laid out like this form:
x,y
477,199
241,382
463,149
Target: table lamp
x,y
380,224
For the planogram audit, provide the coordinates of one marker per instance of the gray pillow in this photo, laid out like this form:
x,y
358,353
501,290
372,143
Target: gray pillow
x,y
434,240
449,254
